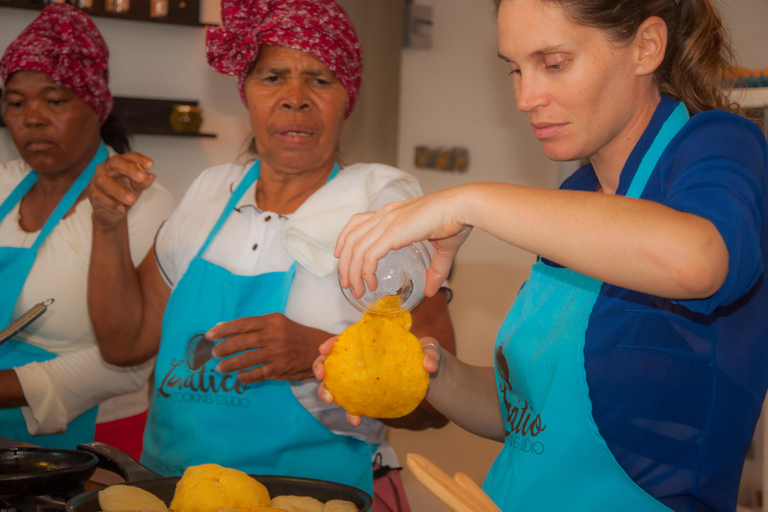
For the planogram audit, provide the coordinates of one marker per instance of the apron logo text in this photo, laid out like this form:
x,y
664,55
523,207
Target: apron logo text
x,y
203,384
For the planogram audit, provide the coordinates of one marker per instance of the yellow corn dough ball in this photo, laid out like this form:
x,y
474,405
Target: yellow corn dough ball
x,y
210,488
376,367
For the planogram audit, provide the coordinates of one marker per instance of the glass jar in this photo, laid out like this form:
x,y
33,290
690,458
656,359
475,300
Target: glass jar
x,y
186,118
117,6
158,8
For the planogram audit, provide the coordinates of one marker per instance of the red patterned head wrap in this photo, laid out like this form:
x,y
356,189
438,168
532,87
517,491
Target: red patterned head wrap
x,y
318,27
64,43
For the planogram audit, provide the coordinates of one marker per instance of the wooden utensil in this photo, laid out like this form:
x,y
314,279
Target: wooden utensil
x,y
460,493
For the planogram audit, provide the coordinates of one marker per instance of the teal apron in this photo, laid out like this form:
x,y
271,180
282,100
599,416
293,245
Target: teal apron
x,y
553,456
15,265
199,415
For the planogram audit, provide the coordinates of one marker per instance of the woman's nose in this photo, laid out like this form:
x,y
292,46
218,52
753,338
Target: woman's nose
x,y
33,115
295,96
530,93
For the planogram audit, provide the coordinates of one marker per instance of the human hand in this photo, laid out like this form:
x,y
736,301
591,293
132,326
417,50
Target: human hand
x,y
429,346
368,237
117,185
286,349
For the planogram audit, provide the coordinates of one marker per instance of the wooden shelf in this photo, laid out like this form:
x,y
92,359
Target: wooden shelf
x,y
751,97
149,116
180,12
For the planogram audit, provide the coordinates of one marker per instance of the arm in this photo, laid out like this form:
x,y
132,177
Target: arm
x,y
11,394
430,318
633,243
59,390
466,395
126,303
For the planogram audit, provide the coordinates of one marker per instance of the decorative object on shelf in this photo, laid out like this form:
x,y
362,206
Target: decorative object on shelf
x,y
186,118
750,77
452,159
117,6
173,12
158,8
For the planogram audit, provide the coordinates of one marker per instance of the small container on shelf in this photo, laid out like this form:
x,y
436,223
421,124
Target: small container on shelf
x,y
117,6
158,8
186,118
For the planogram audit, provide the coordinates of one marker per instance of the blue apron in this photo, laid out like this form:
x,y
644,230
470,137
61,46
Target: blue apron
x,y
202,416
554,457
15,265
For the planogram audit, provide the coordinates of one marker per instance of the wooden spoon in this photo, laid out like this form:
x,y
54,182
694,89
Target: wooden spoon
x,y
460,493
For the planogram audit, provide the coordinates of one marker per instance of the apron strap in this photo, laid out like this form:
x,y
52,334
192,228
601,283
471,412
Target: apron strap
x,y
249,179
669,129
18,192
77,188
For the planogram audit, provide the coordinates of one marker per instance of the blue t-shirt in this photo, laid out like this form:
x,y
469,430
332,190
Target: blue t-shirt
x,y
677,386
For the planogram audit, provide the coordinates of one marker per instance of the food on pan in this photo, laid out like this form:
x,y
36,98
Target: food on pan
x,y
376,367
210,488
339,506
263,509
127,497
303,503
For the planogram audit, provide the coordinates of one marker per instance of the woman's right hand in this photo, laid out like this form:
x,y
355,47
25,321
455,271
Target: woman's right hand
x,y
368,237
117,185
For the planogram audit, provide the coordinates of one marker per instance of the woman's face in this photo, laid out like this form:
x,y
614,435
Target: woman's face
x,y
54,130
580,91
297,110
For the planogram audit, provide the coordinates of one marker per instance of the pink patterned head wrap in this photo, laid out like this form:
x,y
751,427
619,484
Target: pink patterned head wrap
x,y
320,28
64,43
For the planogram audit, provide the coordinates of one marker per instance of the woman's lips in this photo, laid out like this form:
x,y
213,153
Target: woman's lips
x,y
38,144
546,130
295,133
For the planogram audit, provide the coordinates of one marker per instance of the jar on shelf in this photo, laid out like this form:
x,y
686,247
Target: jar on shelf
x,y
117,6
158,8
186,118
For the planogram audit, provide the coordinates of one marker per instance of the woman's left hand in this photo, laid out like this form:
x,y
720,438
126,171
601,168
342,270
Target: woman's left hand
x,y
286,349
431,364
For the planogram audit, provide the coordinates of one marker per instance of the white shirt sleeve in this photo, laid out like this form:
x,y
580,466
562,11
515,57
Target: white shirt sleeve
x,y
61,389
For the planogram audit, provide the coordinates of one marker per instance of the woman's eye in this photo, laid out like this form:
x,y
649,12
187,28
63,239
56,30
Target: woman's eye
x,y
556,65
320,81
271,79
56,101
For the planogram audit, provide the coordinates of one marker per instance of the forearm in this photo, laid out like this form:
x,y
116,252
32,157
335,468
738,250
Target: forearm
x,y
115,301
11,394
633,243
467,396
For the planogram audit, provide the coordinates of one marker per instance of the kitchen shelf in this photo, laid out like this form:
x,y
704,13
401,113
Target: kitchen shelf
x,y
180,12
751,97
149,116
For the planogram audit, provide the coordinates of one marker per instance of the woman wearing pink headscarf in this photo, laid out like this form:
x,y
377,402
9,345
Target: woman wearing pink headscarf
x,y
246,264
55,389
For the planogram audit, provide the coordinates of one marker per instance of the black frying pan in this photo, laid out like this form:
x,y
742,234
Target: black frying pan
x,y
137,475
34,471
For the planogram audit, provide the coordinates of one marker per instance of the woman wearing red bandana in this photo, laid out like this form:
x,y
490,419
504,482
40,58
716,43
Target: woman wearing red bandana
x,y
55,389
246,264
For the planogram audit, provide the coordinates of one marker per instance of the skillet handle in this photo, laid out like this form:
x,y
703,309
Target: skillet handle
x,y
117,461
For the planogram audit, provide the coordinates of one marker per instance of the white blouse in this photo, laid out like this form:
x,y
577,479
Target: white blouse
x,y
61,389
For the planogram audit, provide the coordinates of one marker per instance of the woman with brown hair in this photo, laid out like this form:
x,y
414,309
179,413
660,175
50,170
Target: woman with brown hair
x,y
630,371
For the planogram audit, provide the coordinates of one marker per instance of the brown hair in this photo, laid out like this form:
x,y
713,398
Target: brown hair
x,y
699,60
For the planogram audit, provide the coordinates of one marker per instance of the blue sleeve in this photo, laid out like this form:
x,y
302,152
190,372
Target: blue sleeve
x,y
718,171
